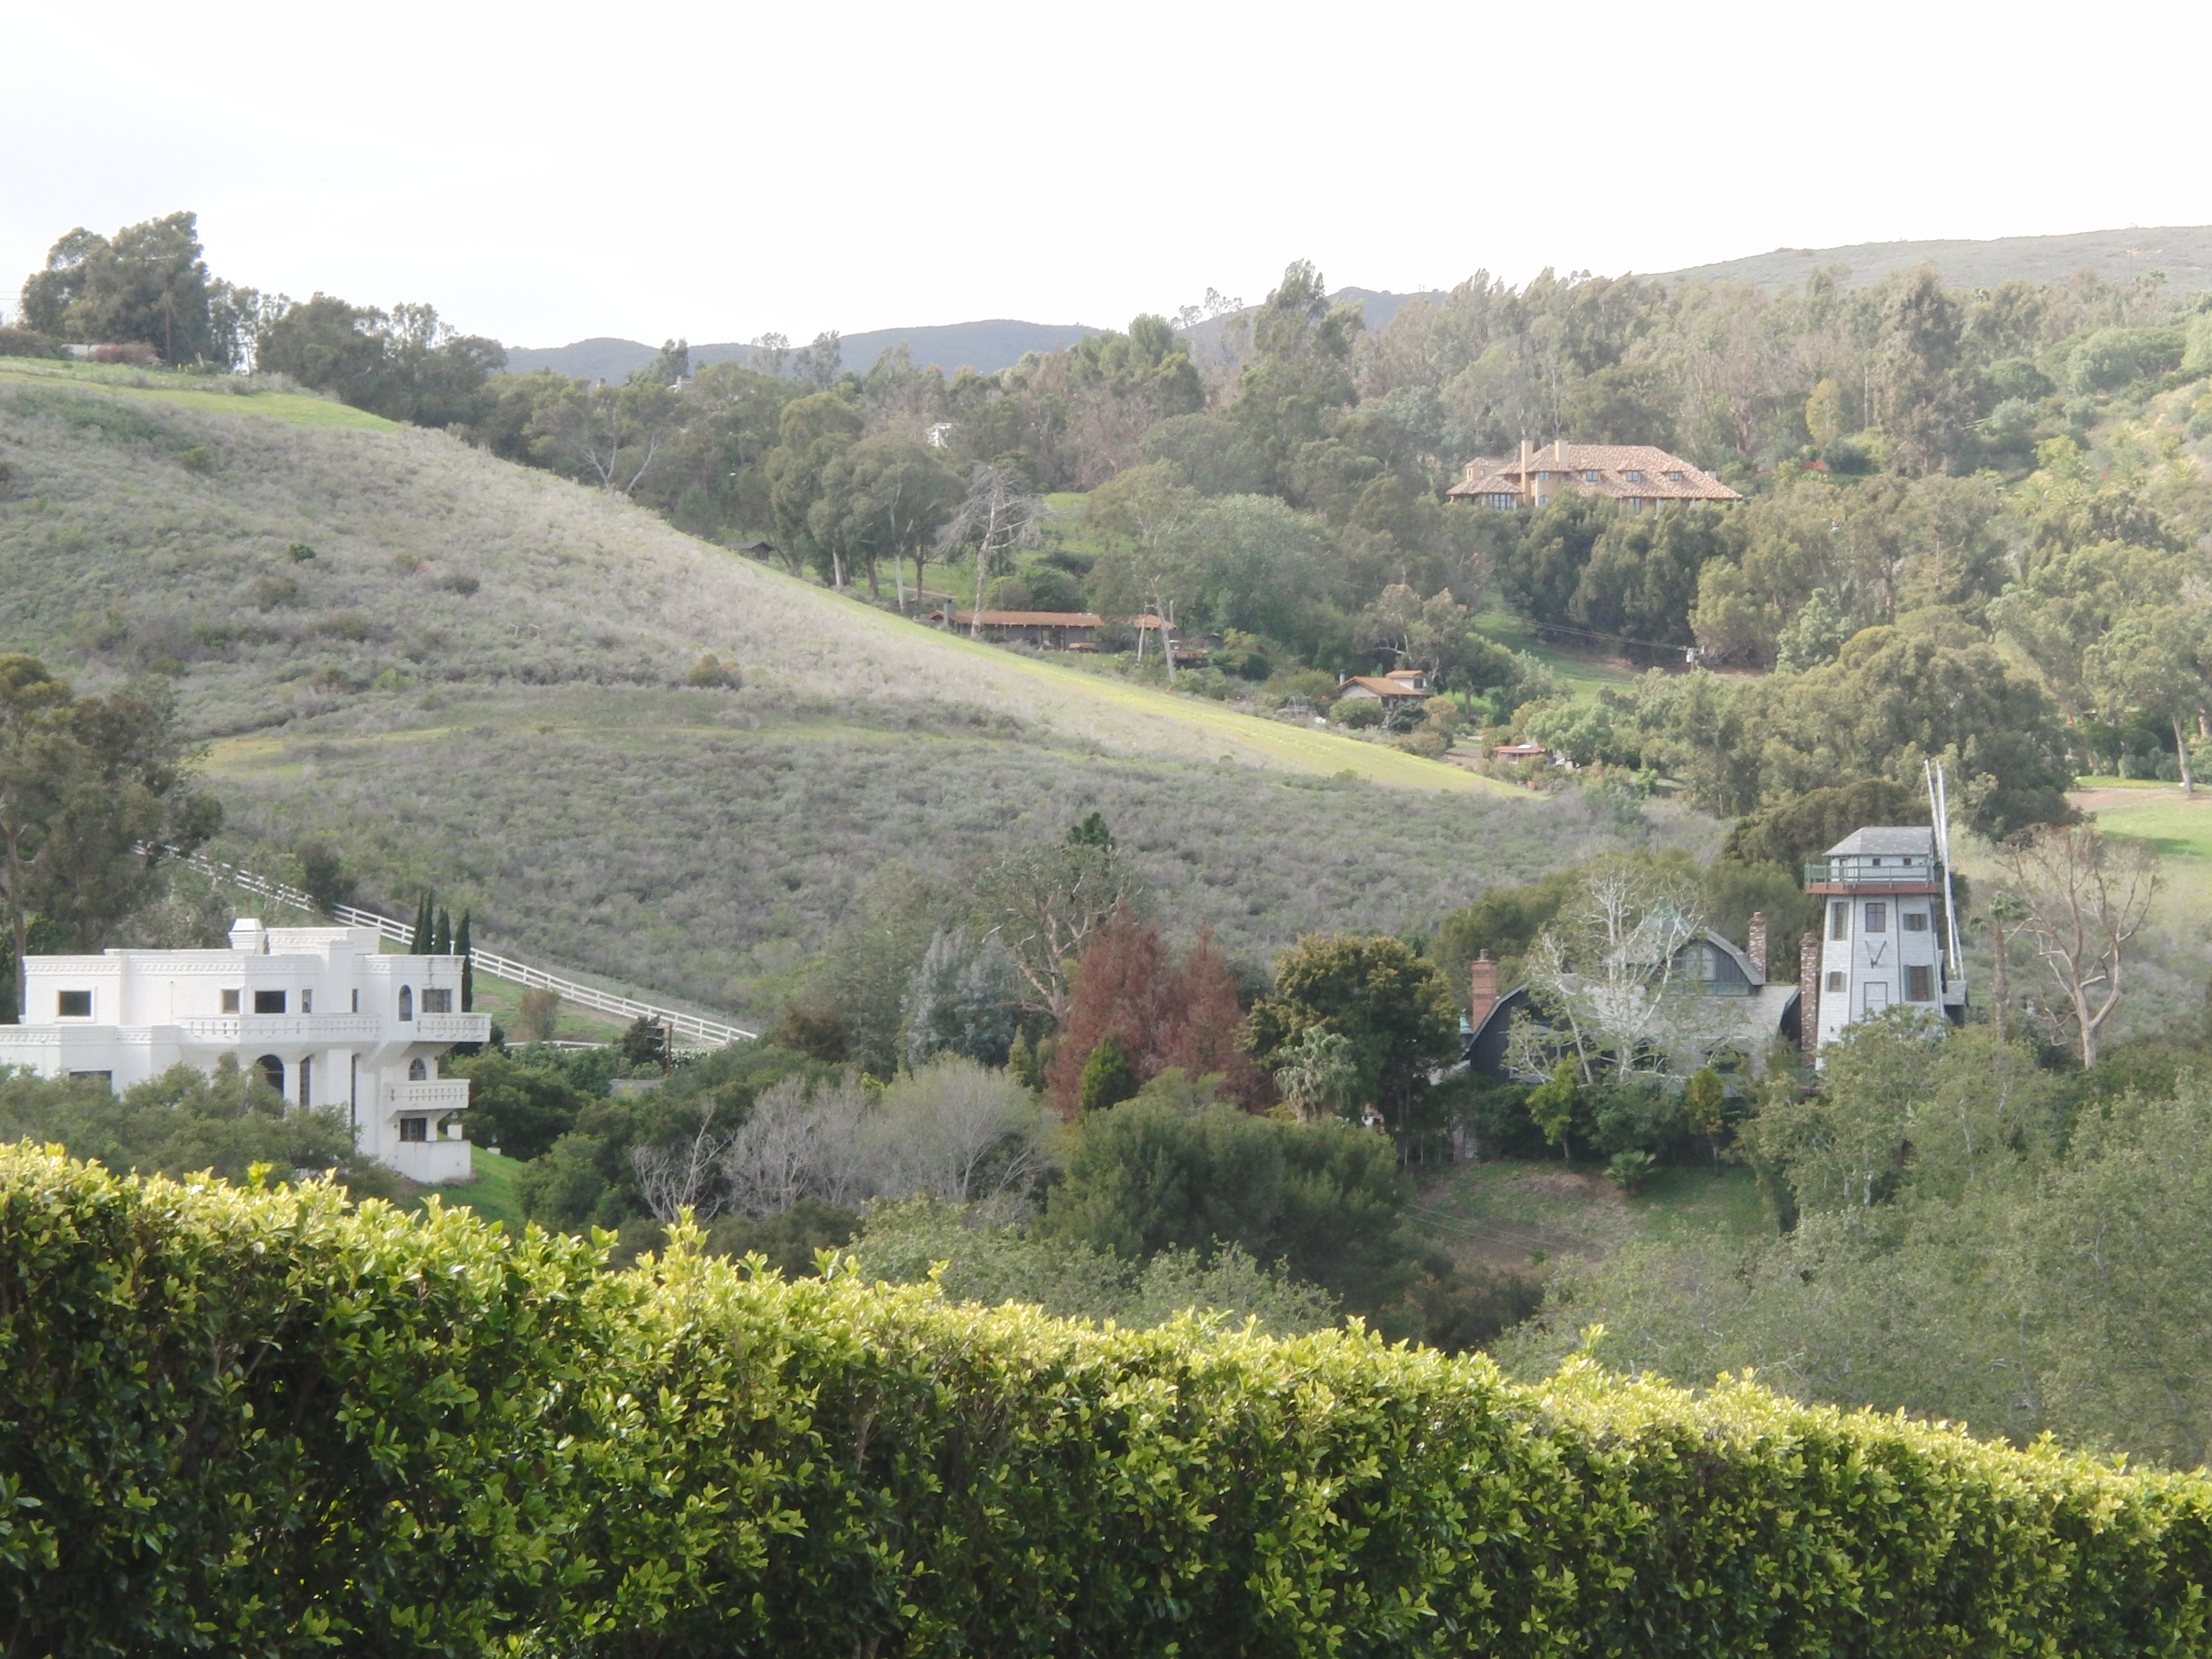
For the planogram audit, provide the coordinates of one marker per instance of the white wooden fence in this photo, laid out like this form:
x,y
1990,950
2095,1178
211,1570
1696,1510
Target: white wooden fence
x,y
713,1032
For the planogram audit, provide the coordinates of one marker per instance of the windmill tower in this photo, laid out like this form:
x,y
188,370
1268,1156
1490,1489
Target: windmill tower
x,y
1886,933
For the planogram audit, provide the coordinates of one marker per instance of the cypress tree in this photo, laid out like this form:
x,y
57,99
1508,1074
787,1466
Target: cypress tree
x,y
420,944
441,936
462,948
1107,1078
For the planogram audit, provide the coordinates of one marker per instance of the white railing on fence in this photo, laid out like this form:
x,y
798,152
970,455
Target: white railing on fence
x,y
515,972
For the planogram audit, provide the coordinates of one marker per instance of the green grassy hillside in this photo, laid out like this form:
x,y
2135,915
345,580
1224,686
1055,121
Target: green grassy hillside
x,y
469,675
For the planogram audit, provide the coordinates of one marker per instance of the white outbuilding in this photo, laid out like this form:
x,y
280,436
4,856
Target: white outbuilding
x,y
317,1011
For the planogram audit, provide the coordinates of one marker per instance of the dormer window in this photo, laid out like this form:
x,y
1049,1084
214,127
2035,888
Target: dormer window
x,y
1632,475
1674,478
1592,477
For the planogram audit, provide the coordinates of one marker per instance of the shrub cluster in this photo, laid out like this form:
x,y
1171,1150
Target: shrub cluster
x,y
237,1421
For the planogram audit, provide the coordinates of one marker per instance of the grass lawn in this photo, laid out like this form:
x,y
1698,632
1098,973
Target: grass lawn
x,y
503,1000
491,1195
1514,1214
2178,827
194,391
1581,672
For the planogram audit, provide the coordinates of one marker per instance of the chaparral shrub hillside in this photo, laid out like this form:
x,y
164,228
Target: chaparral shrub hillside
x,y
237,1421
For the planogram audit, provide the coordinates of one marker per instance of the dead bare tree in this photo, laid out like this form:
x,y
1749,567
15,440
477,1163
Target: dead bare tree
x,y
998,519
771,1162
2084,895
1044,900
683,1175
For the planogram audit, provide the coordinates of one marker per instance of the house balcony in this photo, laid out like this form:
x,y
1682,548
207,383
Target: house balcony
x,y
426,1099
453,1028
238,1031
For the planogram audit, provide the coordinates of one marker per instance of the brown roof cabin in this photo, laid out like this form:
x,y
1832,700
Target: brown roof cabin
x,y
1056,630
1400,685
1640,477
1517,751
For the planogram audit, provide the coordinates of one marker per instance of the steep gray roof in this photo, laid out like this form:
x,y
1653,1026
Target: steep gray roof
x,y
1742,957
1912,841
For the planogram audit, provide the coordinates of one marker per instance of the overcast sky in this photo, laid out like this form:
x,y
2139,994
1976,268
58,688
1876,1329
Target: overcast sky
x,y
547,173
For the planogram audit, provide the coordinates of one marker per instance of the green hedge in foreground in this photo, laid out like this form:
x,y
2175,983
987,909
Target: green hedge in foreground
x,y
259,1423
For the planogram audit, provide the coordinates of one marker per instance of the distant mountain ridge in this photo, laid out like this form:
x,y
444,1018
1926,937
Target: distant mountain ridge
x,y
2183,253
986,347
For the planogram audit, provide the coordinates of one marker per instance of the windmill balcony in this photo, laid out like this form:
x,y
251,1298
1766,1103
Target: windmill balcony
x,y
1888,872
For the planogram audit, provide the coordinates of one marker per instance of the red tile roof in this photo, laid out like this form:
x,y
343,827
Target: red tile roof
x,y
1381,686
1568,464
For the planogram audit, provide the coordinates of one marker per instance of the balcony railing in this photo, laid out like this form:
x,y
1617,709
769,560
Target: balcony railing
x,y
447,1095
281,1028
453,1028
1872,870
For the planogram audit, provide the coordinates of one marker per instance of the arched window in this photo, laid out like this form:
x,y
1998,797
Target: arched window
x,y
272,1071
417,1071
406,1002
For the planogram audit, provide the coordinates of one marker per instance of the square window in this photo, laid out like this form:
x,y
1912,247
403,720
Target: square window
x,y
1837,983
437,1002
1920,984
1877,918
269,1002
414,1128
1915,921
73,1005
1839,919
230,1002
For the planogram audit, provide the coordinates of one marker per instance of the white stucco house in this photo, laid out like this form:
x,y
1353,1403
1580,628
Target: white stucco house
x,y
325,1018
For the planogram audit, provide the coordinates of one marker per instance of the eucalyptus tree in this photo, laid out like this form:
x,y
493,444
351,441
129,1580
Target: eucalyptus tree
x,y
1000,517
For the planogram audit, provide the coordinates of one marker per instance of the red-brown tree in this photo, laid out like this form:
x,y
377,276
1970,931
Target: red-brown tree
x,y
1127,986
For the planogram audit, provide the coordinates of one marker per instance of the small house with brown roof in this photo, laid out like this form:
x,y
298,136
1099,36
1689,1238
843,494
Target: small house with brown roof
x,y
1641,477
1400,688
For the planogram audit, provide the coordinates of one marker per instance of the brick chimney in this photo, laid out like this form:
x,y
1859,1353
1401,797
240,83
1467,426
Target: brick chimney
x,y
1809,991
1755,944
1482,985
